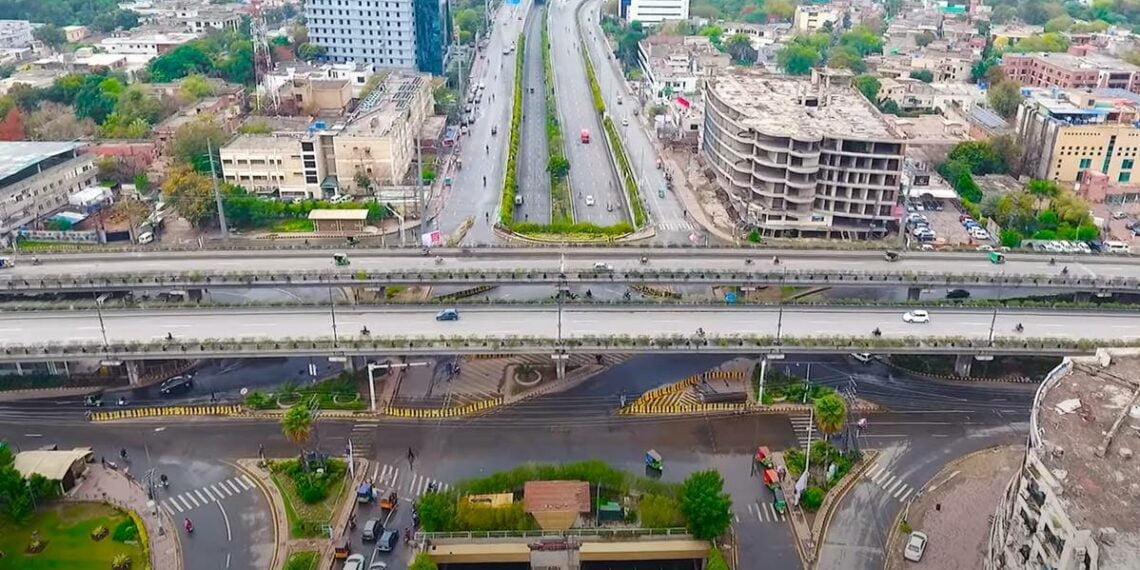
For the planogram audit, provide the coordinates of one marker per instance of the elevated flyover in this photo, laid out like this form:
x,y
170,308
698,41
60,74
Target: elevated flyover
x,y
166,270
264,332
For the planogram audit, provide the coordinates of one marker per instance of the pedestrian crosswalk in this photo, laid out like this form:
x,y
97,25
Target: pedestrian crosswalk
x,y
206,494
675,226
361,438
801,425
406,483
889,482
765,512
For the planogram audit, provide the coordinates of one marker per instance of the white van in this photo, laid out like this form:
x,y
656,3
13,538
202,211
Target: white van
x,y
1117,247
146,237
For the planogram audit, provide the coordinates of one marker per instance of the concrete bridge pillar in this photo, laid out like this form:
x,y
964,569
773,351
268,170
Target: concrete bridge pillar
x,y
963,363
913,293
560,359
354,363
1082,296
133,376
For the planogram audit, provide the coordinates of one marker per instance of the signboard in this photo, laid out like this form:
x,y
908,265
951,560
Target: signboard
x,y
432,239
730,297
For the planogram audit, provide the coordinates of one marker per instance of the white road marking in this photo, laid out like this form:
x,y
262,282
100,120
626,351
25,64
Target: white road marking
x,y
210,495
225,517
901,489
245,482
199,493
871,472
887,481
192,500
219,493
907,495
895,486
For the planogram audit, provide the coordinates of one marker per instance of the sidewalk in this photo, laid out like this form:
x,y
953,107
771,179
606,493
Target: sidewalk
x,y
110,486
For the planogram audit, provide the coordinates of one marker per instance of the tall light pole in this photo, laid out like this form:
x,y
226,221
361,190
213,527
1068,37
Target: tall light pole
x,y
993,319
102,326
217,194
332,312
780,306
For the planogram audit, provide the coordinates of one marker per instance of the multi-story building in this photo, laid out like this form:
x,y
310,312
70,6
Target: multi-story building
x,y
36,179
381,32
148,45
1069,71
284,73
1072,505
813,18
913,94
377,141
75,34
678,64
1065,132
801,157
653,11
15,33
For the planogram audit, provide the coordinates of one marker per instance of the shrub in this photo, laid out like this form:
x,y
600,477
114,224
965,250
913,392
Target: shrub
x,y
125,531
258,401
99,533
811,498
716,560
660,512
423,562
121,562
473,517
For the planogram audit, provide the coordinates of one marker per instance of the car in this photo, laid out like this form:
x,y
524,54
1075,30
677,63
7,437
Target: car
x,y
915,546
916,316
602,266
624,122
980,235
863,357
378,565
1118,215
354,562
507,51
180,383
370,528
921,230
387,541
916,217
146,237
447,315
1095,245
957,294
589,200
660,192
340,199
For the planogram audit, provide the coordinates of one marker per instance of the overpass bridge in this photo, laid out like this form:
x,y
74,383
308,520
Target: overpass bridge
x,y
214,333
182,270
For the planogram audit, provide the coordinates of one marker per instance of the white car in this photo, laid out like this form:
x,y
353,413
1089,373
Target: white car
x,y
863,357
915,546
354,562
625,122
981,235
916,317
589,200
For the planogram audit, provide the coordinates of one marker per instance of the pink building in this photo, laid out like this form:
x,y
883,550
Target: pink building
x,y
1071,70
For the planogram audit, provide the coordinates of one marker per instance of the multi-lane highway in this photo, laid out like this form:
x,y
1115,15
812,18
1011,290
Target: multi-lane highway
x,y
533,180
126,326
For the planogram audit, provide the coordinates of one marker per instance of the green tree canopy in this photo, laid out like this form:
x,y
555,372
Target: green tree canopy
x,y
190,194
979,156
1052,42
706,506
192,142
1005,98
923,75
422,561
869,86
797,59
830,413
183,60
297,424
50,35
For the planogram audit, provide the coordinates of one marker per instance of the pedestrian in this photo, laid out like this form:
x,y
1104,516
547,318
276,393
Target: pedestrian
x,y
102,461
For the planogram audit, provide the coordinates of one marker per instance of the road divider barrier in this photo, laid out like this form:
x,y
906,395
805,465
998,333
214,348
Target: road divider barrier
x,y
662,400
655,292
156,411
465,410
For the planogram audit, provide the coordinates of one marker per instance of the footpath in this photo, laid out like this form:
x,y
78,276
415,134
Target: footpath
x,y
102,484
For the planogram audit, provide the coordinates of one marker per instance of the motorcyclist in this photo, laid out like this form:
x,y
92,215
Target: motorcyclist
x,y
1065,270
189,525
877,332
162,478
364,331
748,261
123,453
484,181
776,259
169,336
700,331
488,149
1019,327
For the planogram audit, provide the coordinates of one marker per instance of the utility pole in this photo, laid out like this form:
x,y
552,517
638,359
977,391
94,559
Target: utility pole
x,y
99,311
332,311
217,194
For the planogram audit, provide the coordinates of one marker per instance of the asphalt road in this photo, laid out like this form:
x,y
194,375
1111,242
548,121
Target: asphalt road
x,y
667,213
591,173
39,328
533,180
89,265
483,154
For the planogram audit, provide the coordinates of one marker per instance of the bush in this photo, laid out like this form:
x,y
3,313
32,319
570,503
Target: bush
x,y
258,401
716,560
423,562
311,487
473,517
305,560
437,511
811,498
126,531
660,512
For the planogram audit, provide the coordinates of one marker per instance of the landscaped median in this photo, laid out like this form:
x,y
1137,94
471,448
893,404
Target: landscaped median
x,y
510,178
561,211
311,491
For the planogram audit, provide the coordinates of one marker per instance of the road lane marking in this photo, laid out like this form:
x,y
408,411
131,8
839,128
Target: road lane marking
x,y
871,472
169,510
215,488
907,495
901,489
192,500
225,517
895,486
209,494
879,476
886,481
199,493
229,484
245,482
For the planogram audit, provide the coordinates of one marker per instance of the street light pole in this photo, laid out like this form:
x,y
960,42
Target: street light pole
x,y
372,380
780,305
332,312
993,319
102,326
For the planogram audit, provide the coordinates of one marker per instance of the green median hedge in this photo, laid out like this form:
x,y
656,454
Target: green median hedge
x,y
510,180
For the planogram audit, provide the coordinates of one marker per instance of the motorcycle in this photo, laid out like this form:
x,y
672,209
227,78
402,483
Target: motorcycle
x,y
365,332
189,526
439,261
162,480
1019,328
775,260
748,261
877,332
644,260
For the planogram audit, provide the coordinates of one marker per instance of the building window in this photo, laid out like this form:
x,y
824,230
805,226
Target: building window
x,y
1126,164
1124,177
1085,163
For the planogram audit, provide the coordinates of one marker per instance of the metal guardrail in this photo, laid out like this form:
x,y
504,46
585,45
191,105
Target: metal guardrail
x,y
331,278
602,533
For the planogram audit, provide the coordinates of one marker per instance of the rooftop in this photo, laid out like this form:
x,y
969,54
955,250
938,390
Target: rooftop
x,y
16,156
52,465
339,214
1100,489
781,106
1089,62
261,143
540,496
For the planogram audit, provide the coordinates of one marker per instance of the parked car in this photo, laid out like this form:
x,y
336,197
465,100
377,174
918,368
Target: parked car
x,y
863,357
354,562
387,541
915,546
916,316
180,383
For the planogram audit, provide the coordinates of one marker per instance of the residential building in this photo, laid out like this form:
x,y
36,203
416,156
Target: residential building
x,y
83,60
433,35
205,19
1072,504
15,34
148,45
1069,71
653,11
1007,35
36,179
912,94
381,32
378,141
38,78
321,97
226,110
75,34
283,74
1097,188
800,156
678,64
1065,132
811,18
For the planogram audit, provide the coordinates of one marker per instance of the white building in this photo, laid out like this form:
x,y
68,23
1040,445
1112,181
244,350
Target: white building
x,y
148,45
15,33
812,18
654,11
677,65
380,32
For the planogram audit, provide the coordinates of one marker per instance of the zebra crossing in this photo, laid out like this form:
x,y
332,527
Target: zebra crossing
x,y
409,486
212,493
801,425
361,438
889,482
675,226
765,512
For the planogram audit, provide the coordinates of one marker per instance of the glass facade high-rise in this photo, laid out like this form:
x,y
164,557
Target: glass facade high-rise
x,y
433,34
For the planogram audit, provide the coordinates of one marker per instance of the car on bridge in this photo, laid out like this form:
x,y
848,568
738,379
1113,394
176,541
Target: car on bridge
x,y
589,200
180,383
916,316
447,315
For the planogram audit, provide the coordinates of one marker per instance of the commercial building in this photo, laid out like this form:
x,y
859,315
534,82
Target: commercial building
x,y
812,18
36,179
1069,71
15,33
801,157
1065,132
678,64
322,160
653,11
1072,505
401,34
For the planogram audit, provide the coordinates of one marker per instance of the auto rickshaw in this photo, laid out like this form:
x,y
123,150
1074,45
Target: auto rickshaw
x,y
891,255
763,457
364,493
997,257
341,550
653,460
340,259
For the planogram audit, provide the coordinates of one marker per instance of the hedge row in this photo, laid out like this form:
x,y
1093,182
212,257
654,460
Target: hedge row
x,y
560,205
510,180
629,180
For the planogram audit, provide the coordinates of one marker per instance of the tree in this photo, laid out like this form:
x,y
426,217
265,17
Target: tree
x,y
1008,149
797,59
781,10
141,182
437,511
96,100
297,424
890,107
978,156
924,39
190,194
194,87
706,506
12,126
923,75
310,52
362,181
50,35
862,40
1050,42
1010,238
812,498
56,122
1059,24
558,167
845,57
869,86
1005,98
422,560
741,50
183,60
192,141
830,413
1043,189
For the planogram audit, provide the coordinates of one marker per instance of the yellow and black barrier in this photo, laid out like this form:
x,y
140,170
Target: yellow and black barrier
x,y
662,409
156,411
481,356
432,413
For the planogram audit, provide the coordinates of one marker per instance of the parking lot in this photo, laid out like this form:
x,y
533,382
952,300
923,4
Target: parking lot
x,y
945,223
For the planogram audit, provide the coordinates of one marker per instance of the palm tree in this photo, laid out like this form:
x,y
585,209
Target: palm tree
x,y
297,424
830,413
